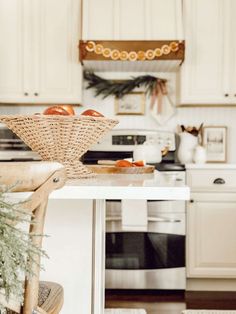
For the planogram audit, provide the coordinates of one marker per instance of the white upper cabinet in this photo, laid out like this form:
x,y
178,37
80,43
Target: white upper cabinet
x,y
132,20
39,51
210,47
11,49
232,47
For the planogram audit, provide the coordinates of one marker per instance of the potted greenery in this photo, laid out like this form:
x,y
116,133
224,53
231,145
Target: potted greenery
x,y
17,251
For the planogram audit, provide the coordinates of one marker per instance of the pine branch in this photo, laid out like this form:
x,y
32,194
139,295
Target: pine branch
x,y
119,89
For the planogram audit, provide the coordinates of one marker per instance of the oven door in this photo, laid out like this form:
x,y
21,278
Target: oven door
x,y
147,260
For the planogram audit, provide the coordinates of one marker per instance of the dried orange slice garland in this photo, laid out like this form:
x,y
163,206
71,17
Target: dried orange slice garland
x,y
123,55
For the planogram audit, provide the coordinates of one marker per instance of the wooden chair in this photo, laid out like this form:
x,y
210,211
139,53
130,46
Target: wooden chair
x,y
41,178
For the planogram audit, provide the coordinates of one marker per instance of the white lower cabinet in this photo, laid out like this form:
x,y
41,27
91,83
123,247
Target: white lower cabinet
x,y
211,234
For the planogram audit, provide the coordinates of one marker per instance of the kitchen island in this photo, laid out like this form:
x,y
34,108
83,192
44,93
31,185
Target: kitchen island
x,y
76,221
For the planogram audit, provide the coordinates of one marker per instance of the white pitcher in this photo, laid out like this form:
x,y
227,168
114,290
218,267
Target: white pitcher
x,y
200,155
187,145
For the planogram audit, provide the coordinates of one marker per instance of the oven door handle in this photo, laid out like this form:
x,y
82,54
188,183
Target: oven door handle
x,y
153,219
163,219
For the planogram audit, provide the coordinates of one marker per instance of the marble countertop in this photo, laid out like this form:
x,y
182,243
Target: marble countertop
x,y
211,166
118,186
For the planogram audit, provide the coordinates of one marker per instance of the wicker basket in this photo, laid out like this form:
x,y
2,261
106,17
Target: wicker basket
x,y
60,138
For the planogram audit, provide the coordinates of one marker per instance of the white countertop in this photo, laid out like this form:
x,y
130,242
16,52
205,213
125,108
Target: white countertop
x,y
211,166
118,186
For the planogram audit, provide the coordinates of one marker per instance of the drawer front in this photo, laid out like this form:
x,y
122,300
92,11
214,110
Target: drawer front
x,y
212,180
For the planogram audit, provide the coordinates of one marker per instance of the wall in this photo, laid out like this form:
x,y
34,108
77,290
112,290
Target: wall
x,y
187,116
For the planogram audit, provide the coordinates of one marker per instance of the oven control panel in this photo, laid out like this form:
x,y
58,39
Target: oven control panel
x,y
128,139
119,140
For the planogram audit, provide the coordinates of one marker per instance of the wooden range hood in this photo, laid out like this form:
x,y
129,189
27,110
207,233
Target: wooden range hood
x,y
132,56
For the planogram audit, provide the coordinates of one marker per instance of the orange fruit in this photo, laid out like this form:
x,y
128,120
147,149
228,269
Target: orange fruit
x,y
139,163
92,113
69,109
123,163
56,110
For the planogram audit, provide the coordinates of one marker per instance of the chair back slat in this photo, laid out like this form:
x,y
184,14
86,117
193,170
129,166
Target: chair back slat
x,y
27,176
41,178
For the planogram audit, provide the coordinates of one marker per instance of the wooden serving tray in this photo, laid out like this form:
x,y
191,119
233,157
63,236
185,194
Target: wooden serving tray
x,y
100,169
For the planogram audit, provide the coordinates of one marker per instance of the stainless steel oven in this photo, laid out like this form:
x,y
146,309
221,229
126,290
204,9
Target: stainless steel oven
x,y
12,148
151,259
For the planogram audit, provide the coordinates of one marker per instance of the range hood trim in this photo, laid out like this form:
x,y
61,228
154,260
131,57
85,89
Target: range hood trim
x,y
128,45
170,62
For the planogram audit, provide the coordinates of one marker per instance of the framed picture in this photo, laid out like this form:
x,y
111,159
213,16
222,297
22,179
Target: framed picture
x,y
215,141
131,104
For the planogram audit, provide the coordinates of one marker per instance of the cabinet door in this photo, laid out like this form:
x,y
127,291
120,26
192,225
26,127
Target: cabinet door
x,y
132,19
99,19
164,20
211,236
57,71
232,49
12,34
114,19
39,51
204,73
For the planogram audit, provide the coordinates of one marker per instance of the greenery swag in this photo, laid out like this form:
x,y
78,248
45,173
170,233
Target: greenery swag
x,y
120,88
17,251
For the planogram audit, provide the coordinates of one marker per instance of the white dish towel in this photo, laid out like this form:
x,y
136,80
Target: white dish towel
x,y
134,215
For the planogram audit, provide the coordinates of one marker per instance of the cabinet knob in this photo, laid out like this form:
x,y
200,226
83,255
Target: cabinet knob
x,y
191,201
26,94
226,95
36,94
219,181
